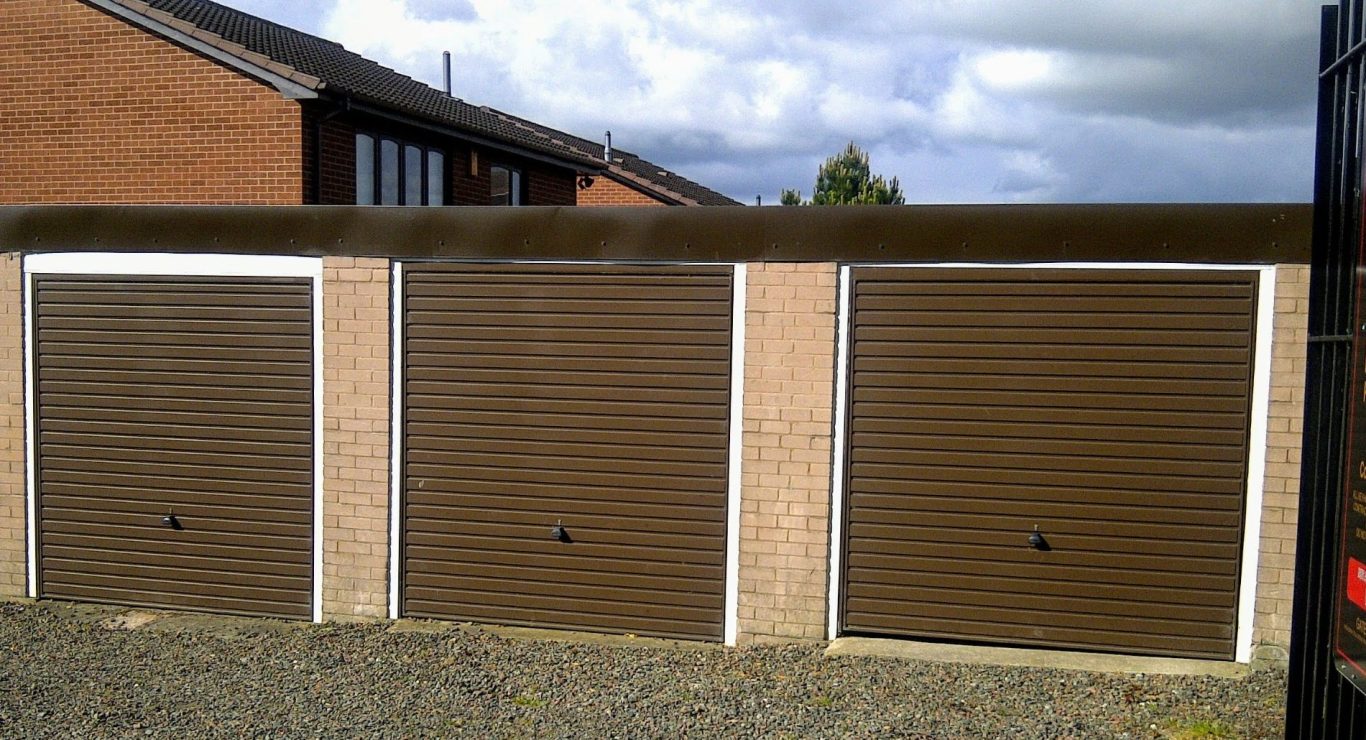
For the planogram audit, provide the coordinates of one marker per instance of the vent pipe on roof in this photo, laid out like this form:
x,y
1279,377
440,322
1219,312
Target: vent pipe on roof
x,y
607,148
446,62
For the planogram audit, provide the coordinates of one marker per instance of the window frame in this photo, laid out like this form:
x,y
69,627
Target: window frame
x,y
516,192
424,176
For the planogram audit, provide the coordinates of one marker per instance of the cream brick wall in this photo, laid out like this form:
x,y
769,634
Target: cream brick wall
x,y
787,436
13,532
1285,424
785,475
356,411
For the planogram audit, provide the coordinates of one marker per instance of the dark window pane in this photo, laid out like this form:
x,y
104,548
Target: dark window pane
x,y
388,170
365,170
412,176
500,192
436,178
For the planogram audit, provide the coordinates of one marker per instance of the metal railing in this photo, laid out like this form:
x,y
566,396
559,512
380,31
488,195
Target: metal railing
x,y
1321,702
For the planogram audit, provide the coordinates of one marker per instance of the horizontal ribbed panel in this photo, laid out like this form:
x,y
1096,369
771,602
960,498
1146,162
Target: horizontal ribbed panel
x,y
593,396
1107,407
187,396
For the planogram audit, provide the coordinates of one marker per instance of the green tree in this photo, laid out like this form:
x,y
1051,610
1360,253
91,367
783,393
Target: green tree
x,y
847,179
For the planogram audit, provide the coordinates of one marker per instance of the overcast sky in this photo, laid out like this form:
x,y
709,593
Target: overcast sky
x,y
966,101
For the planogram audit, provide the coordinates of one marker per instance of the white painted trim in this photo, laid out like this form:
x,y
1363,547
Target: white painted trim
x,y
196,265
1256,464
736,451
30,440
842,323
318,470
395,434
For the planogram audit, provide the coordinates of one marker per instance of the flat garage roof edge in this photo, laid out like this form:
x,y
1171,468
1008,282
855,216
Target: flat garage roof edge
x,y
1175,233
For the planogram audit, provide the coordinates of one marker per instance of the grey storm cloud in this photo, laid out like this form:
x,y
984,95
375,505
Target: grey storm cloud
x,y
965,100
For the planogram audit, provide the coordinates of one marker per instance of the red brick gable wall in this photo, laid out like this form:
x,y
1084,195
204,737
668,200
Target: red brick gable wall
x,y
608,192
93,110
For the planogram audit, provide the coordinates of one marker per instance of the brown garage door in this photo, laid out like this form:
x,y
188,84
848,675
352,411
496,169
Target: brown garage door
x,y
185,397
1107,408
591,397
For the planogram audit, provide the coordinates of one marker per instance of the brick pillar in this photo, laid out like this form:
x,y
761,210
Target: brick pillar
x,y
355,437
1280,502
13,531
785,475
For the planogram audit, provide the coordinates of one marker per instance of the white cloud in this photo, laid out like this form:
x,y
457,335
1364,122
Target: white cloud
x,y
1016,69
966,100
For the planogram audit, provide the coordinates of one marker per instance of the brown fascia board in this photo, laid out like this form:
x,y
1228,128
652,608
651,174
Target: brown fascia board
x,y
257,64
1235,234
647,187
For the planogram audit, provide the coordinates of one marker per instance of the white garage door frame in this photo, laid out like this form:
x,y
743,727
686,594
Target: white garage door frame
x,y
172,265
734,433
1257,435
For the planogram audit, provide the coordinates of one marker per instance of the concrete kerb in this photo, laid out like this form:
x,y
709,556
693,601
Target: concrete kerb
x,y
1058,659
113,617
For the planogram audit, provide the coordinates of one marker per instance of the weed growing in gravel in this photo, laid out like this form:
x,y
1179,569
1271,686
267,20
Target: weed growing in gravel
x,y
821,701
1200,729
528,701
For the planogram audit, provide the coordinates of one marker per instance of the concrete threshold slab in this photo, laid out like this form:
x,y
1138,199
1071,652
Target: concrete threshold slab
x,y
1021,657
593,638
420,626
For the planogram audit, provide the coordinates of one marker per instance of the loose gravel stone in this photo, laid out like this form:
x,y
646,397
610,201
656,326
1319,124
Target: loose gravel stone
x,y
63,676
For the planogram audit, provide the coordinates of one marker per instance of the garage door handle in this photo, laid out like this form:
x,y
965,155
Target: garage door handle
x,y
1037,541
170,522
559,533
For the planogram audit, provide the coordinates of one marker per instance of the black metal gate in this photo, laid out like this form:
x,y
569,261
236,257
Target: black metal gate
x,y
1321,703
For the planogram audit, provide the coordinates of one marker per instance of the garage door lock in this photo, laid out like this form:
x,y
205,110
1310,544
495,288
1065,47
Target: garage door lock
x,y
171,522
558,532
1037,541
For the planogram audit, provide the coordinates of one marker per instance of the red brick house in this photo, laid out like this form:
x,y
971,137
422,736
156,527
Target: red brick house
x,y
188,101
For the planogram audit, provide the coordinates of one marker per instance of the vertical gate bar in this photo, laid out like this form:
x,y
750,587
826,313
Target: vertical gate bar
x,y
1308,650
1320,702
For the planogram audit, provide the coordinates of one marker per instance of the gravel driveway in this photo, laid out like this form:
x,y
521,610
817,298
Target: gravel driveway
x,y
68,672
